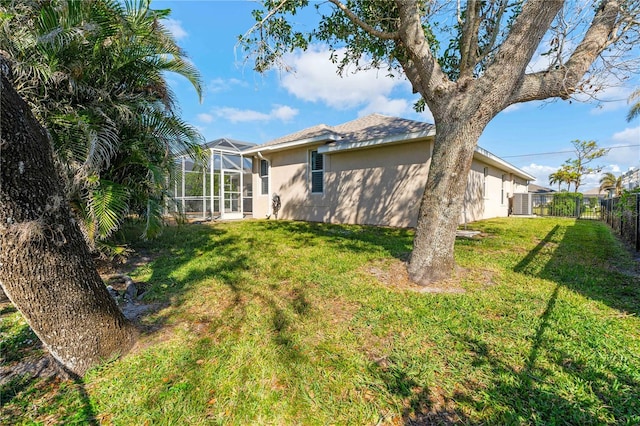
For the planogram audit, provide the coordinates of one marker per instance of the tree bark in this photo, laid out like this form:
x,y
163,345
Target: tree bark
x,y
45,266
432,258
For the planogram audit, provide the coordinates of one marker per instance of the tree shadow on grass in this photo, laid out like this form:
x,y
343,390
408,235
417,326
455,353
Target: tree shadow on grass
x,y
572,374
396,242
584,259
422,406
44,379
233,255
167,285
230,263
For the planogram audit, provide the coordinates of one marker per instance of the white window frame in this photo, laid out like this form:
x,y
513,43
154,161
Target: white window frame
x,y
485,174
318,171
265,176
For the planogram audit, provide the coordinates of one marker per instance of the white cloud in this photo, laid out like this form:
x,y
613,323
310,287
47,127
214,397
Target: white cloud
x,y
205,118
611,97
175,28
512,108
315,79
235,115
628,135
541,172
221,85
625,153
283,112
383,105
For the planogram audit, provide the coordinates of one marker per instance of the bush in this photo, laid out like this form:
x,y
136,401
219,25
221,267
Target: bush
x,y
566,204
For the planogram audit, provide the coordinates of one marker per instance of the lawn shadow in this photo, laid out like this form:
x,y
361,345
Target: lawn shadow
x,y
42,378
422,406
396,242
572,264
234,260
230,263
605,389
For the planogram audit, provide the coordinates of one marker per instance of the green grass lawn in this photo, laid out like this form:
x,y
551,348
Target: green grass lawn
x,y
270,322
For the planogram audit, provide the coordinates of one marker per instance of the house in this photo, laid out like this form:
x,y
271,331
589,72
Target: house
x,y
371,170
594,192
631,178
537,189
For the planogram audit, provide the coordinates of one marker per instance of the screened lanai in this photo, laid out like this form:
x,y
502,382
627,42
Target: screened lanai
x,y
218,187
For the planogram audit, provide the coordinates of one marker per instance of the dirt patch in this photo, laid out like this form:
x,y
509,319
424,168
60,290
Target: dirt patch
x,y
393,274
123,266
115,272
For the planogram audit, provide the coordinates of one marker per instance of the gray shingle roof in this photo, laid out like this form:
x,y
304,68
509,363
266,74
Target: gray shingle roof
x,y
374,126
311,132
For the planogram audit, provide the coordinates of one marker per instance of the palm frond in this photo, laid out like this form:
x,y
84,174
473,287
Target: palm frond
x,y
634,112
108,206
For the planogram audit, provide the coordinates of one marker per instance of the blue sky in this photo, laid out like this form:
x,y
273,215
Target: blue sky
x,y
241,104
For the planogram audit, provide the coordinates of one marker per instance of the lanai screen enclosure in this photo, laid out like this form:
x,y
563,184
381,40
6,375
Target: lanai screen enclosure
x,y
218,187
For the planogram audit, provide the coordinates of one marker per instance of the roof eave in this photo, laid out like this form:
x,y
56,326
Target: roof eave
x,y
372,143
324,138
489,158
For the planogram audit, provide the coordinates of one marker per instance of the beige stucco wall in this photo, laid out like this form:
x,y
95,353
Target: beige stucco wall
x,y
488,197
378,186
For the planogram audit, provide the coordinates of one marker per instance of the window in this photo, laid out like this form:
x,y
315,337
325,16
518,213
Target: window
x,y
484,182
317,172
504,178
264,177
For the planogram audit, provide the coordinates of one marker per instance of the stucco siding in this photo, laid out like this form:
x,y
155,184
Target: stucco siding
x,y
377,186
381,186
288,177
488,192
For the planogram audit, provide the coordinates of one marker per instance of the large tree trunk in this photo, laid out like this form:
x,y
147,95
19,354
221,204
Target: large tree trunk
x,y
45,267
432,258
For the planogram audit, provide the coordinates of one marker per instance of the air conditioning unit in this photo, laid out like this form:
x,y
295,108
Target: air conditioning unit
x,y
522,204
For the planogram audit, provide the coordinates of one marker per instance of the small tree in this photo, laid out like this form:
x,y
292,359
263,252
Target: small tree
x,y
562,175
575,169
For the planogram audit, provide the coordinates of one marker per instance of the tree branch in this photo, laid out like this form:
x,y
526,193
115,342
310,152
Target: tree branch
x,y
421,67
469,39
517,50
360,23
564,81
494,33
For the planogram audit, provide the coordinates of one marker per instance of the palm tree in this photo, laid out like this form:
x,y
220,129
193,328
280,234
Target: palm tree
x,y
562,175
610,182
94,74
556,177
635,108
